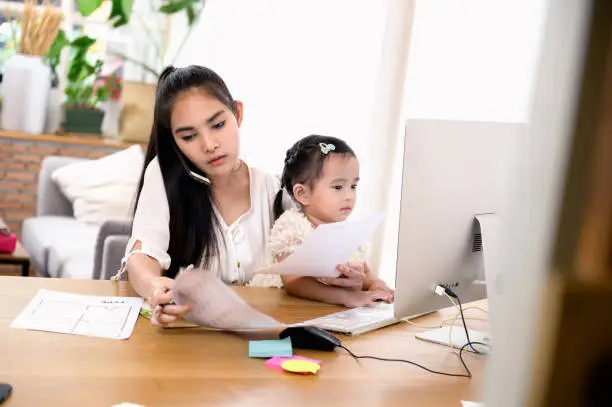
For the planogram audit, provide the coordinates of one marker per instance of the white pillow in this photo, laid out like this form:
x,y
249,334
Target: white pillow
x,y
102,189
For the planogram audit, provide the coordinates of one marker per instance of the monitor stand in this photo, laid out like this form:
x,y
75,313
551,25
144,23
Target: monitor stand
x,y
489,227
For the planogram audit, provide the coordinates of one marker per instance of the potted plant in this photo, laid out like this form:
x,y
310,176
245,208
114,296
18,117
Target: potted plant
x,y
83,96
81,108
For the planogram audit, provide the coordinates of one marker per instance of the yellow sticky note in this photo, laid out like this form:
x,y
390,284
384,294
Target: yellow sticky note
x,y
300,366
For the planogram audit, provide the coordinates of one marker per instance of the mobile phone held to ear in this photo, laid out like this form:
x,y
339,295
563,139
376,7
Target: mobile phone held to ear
x,y
5,391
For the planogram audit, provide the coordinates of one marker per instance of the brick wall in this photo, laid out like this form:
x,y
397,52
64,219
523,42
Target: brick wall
x,y
20,160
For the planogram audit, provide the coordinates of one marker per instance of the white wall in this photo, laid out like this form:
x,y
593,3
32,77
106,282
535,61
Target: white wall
x,y
299,67
473,59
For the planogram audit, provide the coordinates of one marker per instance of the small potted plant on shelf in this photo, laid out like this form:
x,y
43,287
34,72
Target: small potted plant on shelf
x,y
81,107
83,97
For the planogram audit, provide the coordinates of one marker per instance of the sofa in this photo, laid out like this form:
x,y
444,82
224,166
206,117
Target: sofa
x,y
61,246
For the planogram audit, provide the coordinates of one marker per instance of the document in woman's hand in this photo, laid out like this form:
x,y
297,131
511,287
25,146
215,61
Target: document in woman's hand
x,y
215,305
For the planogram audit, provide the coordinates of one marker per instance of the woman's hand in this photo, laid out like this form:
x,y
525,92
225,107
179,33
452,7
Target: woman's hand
x,y
352,275
164,312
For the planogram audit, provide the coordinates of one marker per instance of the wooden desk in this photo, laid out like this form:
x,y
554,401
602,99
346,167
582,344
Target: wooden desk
x,y
195,367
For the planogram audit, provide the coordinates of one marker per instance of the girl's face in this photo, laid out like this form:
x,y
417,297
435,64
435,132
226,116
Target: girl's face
x,y
206,131
333,196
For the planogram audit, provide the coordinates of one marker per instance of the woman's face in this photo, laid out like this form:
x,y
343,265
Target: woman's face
x,y
206,131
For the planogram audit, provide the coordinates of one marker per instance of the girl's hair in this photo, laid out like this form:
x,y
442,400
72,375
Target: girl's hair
x,y
304,164
192,221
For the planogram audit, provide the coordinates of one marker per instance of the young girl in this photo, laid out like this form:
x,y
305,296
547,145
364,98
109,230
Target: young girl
x,y
321,175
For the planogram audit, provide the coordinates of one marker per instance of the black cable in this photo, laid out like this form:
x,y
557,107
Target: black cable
x,y
468,374
467,335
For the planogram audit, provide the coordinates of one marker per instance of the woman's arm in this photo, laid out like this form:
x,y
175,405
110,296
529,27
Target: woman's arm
x,y
145,277
147,251
142,271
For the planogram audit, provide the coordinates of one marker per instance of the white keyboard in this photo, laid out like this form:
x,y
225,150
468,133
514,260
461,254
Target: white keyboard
x,y
357,320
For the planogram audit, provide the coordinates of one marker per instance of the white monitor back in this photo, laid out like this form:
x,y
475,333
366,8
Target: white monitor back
x,y
452,171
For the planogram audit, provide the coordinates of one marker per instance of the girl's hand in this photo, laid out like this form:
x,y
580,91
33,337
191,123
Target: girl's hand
x,y
381,287
364,298
165,313
351,277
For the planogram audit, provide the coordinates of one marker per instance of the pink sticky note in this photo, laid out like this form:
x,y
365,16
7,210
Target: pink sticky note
x,y
275,363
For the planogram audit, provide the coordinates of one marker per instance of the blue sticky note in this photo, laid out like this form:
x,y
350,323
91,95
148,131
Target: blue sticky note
x,y
271,348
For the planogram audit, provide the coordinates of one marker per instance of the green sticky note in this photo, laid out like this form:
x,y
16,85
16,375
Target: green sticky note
x,y
270,349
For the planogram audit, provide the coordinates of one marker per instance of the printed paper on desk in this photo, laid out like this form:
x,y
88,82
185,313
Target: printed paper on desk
x,y
88,315
329,245
216,305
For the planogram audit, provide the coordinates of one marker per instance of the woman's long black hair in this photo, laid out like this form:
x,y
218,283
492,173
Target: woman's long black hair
x,y
192,219
304,164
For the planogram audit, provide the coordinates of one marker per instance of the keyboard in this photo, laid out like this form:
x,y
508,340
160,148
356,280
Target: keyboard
x,y
357,320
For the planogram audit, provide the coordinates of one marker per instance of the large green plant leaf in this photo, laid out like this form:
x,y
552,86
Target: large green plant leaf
x,y
55,51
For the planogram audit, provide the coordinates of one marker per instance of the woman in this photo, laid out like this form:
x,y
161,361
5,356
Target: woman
x,y
197,202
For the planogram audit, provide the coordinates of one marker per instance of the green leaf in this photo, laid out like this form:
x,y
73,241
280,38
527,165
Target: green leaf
x,y
55,51
102,94
86,93
88,69
121,11
59,43
190,14
83,42
98,66
75,70
87,7
174,6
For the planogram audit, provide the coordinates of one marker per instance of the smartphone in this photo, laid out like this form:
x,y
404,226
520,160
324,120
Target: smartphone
x,y
5,391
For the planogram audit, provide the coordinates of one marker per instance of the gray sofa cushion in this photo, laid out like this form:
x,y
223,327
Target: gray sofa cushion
x,y
64,262
69,238
50,199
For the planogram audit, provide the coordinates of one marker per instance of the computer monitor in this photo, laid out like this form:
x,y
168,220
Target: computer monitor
x,y
456,181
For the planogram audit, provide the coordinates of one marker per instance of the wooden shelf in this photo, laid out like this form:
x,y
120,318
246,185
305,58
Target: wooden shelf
x,y
68,138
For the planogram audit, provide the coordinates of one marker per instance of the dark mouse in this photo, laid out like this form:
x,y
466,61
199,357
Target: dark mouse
x,y
310,337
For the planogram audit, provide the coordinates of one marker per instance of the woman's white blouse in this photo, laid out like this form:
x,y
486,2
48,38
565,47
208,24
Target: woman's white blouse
x,y
243,245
